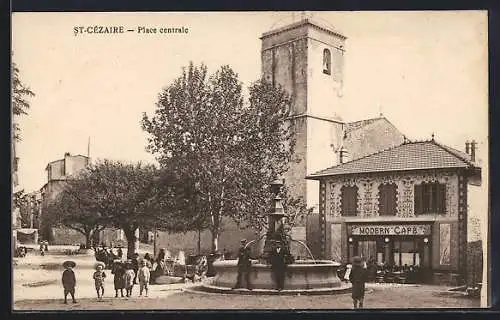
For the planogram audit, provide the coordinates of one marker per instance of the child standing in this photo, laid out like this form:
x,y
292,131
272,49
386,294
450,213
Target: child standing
x,y
144,277
129,278
358,279
99,277
69,280
119,277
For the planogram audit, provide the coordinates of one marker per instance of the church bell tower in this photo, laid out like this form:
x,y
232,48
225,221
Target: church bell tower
x,y
306,58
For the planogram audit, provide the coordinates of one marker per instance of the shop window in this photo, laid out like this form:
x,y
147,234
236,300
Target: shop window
x,y
367,250
387,199
430,198
327,62
349,200
406,253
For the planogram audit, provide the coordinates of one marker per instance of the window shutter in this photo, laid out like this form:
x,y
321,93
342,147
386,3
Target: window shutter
x,y
392,199
382,200
441,198
418,199
387,199
354,200
350,202
344,204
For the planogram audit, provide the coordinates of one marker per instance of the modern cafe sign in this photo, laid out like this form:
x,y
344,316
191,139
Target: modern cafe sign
x,y
391,230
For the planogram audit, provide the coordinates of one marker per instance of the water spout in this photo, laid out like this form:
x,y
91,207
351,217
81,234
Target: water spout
x,y
305,246
289,237
255,240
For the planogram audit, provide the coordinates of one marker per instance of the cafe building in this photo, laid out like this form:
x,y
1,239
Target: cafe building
x,y
403,206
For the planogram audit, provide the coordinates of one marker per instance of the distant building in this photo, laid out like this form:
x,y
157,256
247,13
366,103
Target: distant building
x,y
58,172
407,205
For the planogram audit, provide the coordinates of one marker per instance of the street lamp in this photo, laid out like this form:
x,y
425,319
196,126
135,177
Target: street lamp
x,y
276,186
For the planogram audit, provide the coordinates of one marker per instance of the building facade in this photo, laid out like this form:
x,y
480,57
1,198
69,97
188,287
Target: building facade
x,y
406,205
58,172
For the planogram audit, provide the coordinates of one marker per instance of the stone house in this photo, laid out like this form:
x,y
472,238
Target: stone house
x,y
406,205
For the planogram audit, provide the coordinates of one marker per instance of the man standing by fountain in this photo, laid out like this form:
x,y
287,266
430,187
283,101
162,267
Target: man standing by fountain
x,y
278,265
244,264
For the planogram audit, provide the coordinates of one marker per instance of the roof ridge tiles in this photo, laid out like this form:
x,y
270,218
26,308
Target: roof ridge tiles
x,y
363,157
454,152
448,150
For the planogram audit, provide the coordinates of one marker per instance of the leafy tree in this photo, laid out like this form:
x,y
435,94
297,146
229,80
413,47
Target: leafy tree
x,y
127,197
20,104
110,193
18,198
28,208
219,153
76,208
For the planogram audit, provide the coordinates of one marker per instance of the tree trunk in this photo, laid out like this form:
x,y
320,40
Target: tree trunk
x,y
88,239
199,242
215,240
132,238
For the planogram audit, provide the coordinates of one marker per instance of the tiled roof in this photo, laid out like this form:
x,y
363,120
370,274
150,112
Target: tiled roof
x,y
407,156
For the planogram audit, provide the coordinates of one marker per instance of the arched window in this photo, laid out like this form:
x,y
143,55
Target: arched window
x,y
327,62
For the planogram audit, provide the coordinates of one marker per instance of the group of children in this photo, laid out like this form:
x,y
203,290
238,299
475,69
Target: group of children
x,y
124,278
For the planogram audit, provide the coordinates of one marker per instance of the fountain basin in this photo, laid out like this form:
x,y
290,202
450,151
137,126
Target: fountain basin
x,y
301,275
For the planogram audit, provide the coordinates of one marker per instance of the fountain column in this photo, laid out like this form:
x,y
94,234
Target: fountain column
x,y
276,215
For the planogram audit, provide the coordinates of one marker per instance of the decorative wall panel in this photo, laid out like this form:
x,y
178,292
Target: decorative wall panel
x,y
444,244
462,224
336,244
322,215
368,197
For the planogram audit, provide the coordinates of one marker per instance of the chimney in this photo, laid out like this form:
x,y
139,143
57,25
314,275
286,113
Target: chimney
x,y
67,154
473,151
343,155
467,147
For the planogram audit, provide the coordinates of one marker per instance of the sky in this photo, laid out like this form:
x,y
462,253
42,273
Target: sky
x,y
425,71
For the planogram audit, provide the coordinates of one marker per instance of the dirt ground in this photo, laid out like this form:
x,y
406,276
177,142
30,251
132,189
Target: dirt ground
x,y
38,288
376,298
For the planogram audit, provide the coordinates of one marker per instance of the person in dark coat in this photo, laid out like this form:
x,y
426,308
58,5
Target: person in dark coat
x,y
161,256
119,277
135,266
69,280
278,265
42,248
358,279
244,265
120,253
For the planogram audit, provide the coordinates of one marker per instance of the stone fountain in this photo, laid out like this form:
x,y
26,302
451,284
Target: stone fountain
x,y
302,276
